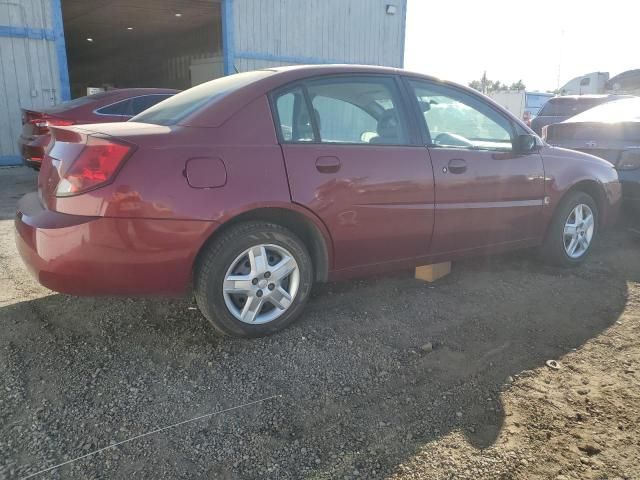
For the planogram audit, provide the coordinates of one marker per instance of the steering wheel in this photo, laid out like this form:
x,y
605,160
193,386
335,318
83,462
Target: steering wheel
x,y
452,140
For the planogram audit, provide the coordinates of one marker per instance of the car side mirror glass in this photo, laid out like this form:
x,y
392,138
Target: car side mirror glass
x,y
526,143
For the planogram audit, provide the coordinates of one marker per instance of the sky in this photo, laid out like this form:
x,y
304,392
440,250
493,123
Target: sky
x,y
545,43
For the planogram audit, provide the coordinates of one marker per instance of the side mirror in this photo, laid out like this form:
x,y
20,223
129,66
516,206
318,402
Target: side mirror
x,y
526,143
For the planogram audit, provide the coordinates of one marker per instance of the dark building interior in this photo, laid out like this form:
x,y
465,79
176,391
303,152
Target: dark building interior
x,y
141,43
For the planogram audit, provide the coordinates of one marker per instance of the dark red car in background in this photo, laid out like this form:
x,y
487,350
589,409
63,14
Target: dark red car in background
x,y
110,106
251,187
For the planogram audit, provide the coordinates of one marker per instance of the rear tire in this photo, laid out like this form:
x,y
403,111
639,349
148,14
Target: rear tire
x,y
572,231
253,280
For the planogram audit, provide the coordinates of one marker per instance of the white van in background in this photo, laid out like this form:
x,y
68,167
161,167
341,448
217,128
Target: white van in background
x,y
591,83
522,104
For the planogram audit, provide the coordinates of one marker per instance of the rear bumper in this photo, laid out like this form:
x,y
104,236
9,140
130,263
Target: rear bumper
x,y
107,256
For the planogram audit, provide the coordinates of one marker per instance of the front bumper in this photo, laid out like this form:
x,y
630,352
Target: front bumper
x,y
107,256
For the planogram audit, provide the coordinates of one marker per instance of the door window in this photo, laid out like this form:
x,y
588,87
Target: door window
x,y
455,119
293,116
360,110
122,108
345,110
140,104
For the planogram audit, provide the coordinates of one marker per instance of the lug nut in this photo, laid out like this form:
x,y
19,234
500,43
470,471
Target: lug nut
x,y
267,274
259,293
272,286
254,281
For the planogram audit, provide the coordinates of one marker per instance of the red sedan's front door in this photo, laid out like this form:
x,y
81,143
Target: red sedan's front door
x,y
487,195
354,166
485,198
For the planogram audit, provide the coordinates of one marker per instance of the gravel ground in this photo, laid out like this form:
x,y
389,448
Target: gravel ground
x,y
388,377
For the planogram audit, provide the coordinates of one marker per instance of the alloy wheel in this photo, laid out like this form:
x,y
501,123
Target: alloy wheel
x,y
578,231
261,284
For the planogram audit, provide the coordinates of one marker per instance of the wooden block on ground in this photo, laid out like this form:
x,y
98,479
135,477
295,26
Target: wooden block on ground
x,y
431,273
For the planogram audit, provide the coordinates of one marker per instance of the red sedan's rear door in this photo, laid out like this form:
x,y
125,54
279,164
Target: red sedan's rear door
x,y
353,164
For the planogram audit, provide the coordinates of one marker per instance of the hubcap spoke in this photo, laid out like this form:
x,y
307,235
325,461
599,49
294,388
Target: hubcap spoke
x,y
283,269
251,309
584,242
258,260
571,249
237,284
570,230
280,298
588,222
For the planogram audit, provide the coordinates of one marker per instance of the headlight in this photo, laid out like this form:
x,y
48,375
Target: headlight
x,y
629,160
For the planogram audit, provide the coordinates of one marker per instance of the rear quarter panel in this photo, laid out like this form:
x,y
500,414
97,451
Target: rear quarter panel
x,y
152,183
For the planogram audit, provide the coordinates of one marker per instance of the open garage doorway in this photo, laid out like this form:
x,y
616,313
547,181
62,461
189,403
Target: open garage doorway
x,y
142,43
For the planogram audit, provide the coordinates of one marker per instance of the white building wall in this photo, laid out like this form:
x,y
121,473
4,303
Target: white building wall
x,y
282,32
29,66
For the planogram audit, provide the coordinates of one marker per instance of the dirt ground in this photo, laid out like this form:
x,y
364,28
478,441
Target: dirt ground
x,y
383,378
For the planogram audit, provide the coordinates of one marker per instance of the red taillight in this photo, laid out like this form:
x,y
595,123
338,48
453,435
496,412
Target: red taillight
x,y
41,124
96,165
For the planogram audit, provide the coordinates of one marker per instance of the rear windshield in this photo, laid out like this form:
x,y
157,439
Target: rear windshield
x,y
174,109
78,102
627,110
568,107
535,100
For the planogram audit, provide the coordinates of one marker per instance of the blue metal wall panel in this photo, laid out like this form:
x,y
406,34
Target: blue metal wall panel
x,y
61,49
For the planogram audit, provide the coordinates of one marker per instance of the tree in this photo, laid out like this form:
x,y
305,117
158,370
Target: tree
x,y
485,85
517,86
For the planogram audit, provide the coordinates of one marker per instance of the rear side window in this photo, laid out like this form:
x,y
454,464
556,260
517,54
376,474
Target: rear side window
x,y
349,110
140,104
122,108
568,107
293,114
204,95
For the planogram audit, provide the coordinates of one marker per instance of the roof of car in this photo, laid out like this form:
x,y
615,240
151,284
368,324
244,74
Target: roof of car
x,y
140,91
588,97
622,110
281,76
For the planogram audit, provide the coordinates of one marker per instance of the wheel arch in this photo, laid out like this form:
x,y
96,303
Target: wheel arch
x,y
595,190
311,231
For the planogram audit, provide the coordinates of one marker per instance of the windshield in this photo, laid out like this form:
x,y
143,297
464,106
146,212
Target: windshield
x,y
174,109
627,110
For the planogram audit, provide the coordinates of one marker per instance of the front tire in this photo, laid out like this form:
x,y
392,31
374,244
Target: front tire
x,y
573,230
253,280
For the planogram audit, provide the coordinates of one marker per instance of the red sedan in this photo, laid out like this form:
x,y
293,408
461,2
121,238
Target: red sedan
x,y
111,106
251,187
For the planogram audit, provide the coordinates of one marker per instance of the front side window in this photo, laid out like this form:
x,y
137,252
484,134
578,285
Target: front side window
x,y
342,110
459,120
358,110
